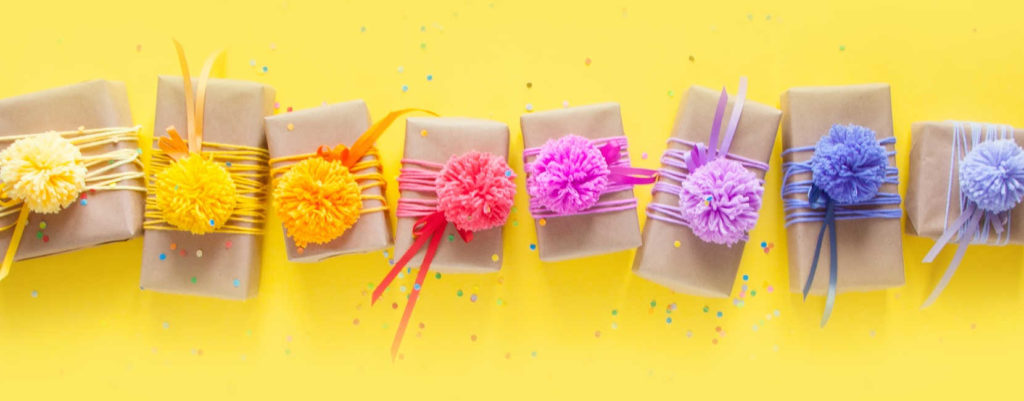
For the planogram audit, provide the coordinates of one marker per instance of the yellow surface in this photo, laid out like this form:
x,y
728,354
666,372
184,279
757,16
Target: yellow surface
x,y
78,324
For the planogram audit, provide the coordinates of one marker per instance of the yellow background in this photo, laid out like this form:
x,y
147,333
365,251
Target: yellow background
x,y
78,324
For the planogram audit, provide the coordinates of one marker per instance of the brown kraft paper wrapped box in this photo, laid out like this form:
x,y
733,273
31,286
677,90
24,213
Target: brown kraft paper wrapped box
x,y
108,216
229,265
931,144
870,250
444,138
570,237
697,267
329,126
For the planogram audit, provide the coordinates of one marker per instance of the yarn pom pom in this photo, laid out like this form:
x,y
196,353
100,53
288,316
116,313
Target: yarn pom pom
x,y
195,194
45,171
475,191
720,200
849,164
317,201
568,176
992,175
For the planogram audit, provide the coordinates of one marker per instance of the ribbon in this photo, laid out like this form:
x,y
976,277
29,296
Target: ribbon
x,y
702,154
969,222
828,222
349,156
612,152
428,228
173,145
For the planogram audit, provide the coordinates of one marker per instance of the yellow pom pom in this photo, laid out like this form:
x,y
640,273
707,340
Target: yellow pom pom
x,y
196,194
45,171
317,200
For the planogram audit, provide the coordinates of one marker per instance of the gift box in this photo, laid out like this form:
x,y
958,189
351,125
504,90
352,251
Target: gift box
x,y
577,236
671,254
869,250
221,265
99,216
436,140
302,132
930,185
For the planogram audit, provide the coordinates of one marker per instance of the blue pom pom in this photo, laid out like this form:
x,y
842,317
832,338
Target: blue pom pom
x,y
992,175
849,164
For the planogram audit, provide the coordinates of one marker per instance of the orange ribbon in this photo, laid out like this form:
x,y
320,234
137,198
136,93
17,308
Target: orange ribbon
x,y
349,156
173,145
430,227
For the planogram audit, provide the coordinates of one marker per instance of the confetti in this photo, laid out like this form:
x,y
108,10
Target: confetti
x,y
677,244
35,294
692,59
745,278
401,69
529,85
193,279
458,293
437,276
394,305
542,222
842,47
291,126
166,325
423,133
533,247
199,253
42,225
236,282
615,312
529,107
163,256
46,238
565,103
227,244
430,77
668,320
265,69
84,202
587,61
405,88
494,257
643,156
597,334
671,93
355,322
472,298
719,314
472,338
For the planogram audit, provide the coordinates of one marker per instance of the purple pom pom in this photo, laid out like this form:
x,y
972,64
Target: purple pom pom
x,y
568,176
849,164
720,200
992,175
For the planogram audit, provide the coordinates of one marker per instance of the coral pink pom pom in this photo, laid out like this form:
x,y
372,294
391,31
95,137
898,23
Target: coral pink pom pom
x,y
721,200
568,176
475,191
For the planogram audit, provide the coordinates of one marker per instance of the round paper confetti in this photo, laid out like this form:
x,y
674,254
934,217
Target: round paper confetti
x,y
163,256
236,282
542,222
494,257
290,125
42,225
677,244
199,253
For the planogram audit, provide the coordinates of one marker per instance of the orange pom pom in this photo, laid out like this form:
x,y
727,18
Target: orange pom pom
x,y
317,201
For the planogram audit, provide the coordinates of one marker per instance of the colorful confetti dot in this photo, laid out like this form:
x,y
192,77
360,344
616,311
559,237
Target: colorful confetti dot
x,y
529,107
84,202
166,325
677,244
405,88
842,47
401,69
423,133
706,309
615,312
719,314
458,293
533,247
46,238
529,85
745,278
692,59
437,276
227,244
193,279
597,334
355,322
430,77
472,338
494,257
39,234
394,305
643,156
199,253
472,298
42,225
587,61
542,222
290,125
35,294
163,256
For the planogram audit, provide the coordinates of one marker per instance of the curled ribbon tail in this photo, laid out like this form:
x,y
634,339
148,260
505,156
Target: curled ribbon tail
x,y
632,175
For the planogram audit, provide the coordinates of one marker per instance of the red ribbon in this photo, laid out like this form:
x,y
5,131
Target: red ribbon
x,y
429,228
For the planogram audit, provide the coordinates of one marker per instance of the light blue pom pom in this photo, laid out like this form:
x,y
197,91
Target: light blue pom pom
x,y
849,164
992,175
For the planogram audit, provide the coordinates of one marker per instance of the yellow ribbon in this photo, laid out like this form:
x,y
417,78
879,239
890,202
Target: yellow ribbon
x,y
99,177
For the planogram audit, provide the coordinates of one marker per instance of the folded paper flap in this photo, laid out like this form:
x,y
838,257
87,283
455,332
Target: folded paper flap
x,y
595,121
929,177
330,125
91,104
436,139
233,115
302,132
870,250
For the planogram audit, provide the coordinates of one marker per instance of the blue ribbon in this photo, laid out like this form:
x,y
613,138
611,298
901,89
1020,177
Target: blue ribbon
x,y
829,222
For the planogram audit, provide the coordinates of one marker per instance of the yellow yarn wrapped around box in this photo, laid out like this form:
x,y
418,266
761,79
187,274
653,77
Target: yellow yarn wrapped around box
x,y
317,200
196,194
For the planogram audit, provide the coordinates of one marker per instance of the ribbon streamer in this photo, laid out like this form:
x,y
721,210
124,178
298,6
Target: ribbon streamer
x,y
428,228
829,222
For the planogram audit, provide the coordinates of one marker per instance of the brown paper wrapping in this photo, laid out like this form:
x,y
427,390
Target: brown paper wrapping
x,y
696,267
446,137
927,185
870,250
108,216
234,115
571,237
330,125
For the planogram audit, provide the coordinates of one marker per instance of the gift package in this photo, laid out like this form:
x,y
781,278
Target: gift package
x,y
205,206
696,247
580,182
840,183
332,210
966,181
85,133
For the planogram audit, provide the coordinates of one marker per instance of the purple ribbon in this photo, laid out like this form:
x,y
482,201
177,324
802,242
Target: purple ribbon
x,y
701,154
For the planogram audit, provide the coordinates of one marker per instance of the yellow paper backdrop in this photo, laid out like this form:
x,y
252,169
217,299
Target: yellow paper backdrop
x,y
77,324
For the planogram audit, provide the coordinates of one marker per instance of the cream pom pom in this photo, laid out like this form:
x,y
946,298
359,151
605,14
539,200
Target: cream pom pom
x,y
45,171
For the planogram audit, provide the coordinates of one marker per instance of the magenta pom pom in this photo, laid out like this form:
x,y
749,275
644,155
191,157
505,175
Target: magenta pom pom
x,y
568,176
720,200
475,191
